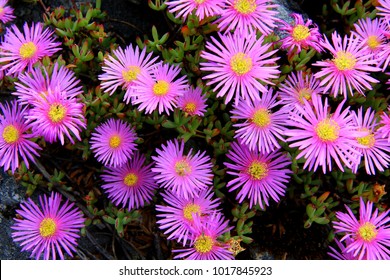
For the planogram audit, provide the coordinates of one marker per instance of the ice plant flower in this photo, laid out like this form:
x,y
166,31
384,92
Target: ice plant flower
x,y
55,116
350,67
124,68
257,176
113,142
130,185
374,148
384,9
48,229
201,8
6,12
238,64
15,137
263,125
296,88
341,254
321,136
384,129
204,240
22,50
160,88
192,102
176,217
184,174
39,82
248,16
301,35
370,234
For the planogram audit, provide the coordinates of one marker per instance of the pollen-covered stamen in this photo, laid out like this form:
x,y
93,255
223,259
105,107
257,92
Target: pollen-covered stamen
x,y
367,141
367,232
327,130
57,112
344,61
199,1
304,93
160,88
115,141
300,32
258,170
203,244
373,42
28,50
10,134
240,63
131,74
261,118
190,107
47,227
130,179
189,209
245,7
182,168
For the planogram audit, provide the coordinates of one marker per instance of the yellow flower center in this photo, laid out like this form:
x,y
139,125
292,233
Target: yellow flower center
x,y
115,141
190,209
199,1
190,107
57,112
304,93
258,170
300,32
245,7
241,64
367,141
10,134
131,73
367,232
182,168
131,179
203,244
47,227
28,50
373,42
161,88
327,130
261,118
344,61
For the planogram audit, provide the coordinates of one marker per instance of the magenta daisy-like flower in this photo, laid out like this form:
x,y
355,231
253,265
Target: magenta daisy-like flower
x,y
350,67
321,136
6,12
184,174
130,185
15,137
204,240
160,88
302,35
384,9
22,50
298,87
238,65
193,102
370,234
113,142
48,229
248,15
257,176
176,218
202,8
55,115
39,83
374,148
124,68
340,254
384,129
263,127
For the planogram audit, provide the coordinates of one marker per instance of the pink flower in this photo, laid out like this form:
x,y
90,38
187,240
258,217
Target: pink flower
x,y
342,255
257,176
202,8
384,9
238,65
113,142
48,228
350,67
20,51
124,68
130,185
384,129
370,234
184,174
193,102
248,15
6,12
15,137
